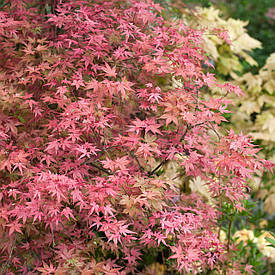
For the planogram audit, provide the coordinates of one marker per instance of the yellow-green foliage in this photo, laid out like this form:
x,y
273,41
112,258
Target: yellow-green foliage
x,y
226,57
260,100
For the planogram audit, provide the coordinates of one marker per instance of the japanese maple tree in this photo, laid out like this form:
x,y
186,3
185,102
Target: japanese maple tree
x,y
97,97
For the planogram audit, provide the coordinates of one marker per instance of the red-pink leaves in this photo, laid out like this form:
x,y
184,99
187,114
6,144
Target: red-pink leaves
x,y
108,71
98,98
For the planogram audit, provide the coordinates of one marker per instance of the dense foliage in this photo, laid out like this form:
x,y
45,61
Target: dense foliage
x,y
97,98
259,14
252,114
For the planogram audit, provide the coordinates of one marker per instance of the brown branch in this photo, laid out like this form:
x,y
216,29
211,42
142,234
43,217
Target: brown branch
x,y
141,168
99,167
166,160
188,127
156,168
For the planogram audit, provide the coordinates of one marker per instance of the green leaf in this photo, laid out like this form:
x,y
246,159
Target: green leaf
x,y
272,241
21,119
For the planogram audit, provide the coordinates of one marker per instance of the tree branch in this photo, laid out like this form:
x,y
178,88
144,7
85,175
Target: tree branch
x,y
188,127
99,167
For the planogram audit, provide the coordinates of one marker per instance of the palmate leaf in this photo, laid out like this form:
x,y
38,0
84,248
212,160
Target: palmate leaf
x,y
88,133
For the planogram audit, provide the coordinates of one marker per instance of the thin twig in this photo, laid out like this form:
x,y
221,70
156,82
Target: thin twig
x,y
99,167
156,168
6,265
229,235
188,127
215,131
141,168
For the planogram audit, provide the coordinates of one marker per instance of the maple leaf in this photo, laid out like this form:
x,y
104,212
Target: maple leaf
x,y
91,164
47,269
170,117
14,227
109,71
145,150
109,164
124,86
155,97
152,126
178,253
249,269
67,212
138,126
